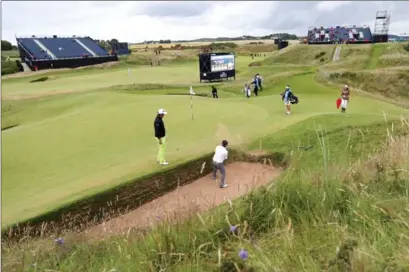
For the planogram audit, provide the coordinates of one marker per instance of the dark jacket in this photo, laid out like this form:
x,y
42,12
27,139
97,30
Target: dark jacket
x,y
159,126
255,82
287,92
258,80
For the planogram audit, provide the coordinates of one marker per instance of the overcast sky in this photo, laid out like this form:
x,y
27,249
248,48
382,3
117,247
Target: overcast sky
x,y
140,21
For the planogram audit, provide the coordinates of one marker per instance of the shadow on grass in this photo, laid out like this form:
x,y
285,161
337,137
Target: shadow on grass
x,y
41,79
9,127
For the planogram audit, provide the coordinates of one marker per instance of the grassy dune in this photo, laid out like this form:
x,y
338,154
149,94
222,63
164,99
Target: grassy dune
x,y
379,70
376,51
352,57
394,55
302,54
191,44
341,206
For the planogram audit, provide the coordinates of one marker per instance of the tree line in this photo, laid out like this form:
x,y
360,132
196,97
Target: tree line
x,y
160,41
106,44
8,66
7,46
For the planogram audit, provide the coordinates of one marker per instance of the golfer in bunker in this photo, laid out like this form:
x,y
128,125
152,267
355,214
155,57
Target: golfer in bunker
x,y
160,135
220,155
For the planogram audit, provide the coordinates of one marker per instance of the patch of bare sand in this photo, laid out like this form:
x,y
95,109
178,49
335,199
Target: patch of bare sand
x,y
198,196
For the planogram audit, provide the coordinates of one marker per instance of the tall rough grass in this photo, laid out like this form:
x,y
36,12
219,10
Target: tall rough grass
x,y
385,84
351,217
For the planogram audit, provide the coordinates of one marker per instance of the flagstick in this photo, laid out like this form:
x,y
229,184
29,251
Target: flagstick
x,y
130,76
191,104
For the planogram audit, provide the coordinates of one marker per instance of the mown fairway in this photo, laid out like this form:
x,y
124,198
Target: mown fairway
x,y
71,145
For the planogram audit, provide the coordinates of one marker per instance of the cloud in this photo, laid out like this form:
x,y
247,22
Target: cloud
x,y
171,9
326,6
140,21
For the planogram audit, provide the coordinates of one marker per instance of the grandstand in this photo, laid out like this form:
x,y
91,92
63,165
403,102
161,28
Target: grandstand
x,y
61,52
339,34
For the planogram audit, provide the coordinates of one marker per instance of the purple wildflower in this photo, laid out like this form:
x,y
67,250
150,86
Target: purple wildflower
x,y
233,229
244,254
59,241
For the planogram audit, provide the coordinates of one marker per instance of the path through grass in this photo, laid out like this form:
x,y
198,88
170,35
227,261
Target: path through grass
x,y
376,52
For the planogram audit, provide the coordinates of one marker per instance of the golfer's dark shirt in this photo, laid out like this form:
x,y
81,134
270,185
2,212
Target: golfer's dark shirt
x,y
160,131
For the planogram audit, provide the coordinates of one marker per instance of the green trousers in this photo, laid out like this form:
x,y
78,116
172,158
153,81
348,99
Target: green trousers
x,y
161,153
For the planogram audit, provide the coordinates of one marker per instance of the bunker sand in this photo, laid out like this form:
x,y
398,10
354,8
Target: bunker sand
x,y
198,196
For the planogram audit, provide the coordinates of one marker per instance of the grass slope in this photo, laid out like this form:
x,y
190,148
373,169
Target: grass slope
x,y
302,54
77,139
312,219
380,70
376,52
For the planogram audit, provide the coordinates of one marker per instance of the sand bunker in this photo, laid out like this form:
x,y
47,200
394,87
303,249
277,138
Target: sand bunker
x,y
198,196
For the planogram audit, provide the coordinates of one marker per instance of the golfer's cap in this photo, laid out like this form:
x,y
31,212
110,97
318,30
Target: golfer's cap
x,y
346,86
162,111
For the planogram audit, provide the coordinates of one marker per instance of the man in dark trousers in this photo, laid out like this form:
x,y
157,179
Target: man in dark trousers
x,y
220,155
214,92
256,86
258,79
160,135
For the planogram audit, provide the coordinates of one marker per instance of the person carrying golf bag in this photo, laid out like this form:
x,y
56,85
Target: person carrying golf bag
x,y
289,98
344,98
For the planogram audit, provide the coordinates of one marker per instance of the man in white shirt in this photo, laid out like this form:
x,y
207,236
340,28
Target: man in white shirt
x,y
220,155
